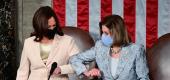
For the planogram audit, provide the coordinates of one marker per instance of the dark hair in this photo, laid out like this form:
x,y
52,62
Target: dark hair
x,y
117,29
40,22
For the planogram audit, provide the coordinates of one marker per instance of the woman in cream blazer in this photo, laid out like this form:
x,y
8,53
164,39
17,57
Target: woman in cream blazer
x,y
35,64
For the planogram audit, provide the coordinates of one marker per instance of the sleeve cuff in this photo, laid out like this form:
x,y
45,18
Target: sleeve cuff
x,y
66,69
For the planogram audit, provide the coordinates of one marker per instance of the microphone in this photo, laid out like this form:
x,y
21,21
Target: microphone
x,y
54,65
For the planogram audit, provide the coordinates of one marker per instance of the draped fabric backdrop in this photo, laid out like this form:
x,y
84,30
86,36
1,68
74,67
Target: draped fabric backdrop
x,y
146,20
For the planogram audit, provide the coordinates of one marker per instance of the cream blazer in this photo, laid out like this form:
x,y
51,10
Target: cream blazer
x,y
32,67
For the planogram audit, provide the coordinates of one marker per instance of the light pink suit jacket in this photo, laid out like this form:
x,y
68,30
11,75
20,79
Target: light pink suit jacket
x,y
32,67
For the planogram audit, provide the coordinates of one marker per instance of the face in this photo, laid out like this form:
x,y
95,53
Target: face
x,y
105,30
51,28
106,37
51,23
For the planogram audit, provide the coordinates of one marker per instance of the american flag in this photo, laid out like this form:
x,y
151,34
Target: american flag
x,y
146,20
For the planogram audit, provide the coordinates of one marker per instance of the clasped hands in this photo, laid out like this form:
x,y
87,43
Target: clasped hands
x,y
92,73
57,71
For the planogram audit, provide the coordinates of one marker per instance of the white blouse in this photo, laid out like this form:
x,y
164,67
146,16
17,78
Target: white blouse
x,y
114,64
44,51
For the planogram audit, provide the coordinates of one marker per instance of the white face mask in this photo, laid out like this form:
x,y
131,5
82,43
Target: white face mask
x,y
107,40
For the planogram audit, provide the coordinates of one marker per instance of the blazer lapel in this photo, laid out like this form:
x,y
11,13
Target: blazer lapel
x,y
55,44
122,62
37,51
106,56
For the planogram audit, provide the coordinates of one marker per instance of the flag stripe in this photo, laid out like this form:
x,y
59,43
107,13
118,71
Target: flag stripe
x,y
144,19
117,7
59,8
83,14
71,13
163,17
106,8
130,17
151,22
94,18
141,22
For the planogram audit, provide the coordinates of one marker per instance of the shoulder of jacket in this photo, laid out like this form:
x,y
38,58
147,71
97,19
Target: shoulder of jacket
x,y
30,39
67,36
135,46
64,38
98,42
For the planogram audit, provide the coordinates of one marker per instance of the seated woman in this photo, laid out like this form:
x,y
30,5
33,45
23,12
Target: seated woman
x,y
116,56
47,45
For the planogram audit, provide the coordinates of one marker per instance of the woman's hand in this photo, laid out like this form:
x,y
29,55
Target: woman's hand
x,y
92,72
57,71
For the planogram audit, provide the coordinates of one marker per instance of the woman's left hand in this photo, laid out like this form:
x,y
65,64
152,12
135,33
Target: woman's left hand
x,y
94,72
57,71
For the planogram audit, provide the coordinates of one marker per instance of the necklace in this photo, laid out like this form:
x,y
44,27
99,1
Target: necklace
x,y
117,51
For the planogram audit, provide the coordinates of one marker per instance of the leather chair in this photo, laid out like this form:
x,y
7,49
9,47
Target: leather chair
x,y
83,40
159,59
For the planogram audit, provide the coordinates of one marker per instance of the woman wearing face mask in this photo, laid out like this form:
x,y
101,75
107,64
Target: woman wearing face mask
x,y
116,56
46,45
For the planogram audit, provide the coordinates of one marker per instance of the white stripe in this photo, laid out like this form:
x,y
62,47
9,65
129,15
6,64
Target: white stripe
x,y
141,22
163,17
46,3
71,13
117,7
94,18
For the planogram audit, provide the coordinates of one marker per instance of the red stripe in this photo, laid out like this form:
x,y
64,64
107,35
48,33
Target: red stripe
x,y
130,17
83,14
151,22
59,8
106,8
